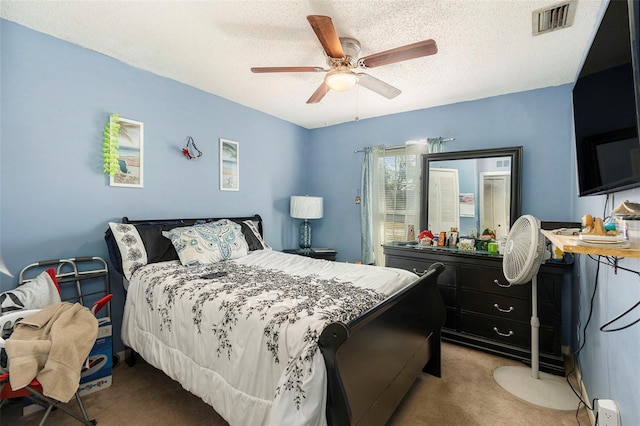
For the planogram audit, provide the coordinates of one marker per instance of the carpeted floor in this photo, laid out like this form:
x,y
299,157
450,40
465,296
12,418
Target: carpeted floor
x,y
465,395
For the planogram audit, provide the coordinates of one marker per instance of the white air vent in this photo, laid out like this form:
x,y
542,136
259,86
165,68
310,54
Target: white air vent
x,y
503,163
553,18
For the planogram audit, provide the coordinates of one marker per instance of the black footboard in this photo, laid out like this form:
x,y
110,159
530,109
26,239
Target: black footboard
x,y
373,361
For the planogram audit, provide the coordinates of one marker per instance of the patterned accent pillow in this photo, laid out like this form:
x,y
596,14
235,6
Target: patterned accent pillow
x,y
132,250
208,242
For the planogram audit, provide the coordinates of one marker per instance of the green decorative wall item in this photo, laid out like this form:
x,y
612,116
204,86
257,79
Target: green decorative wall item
x,y
110,145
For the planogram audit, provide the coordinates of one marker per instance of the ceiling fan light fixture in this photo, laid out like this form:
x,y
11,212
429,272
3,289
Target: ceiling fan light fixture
x,y
342,55
341,80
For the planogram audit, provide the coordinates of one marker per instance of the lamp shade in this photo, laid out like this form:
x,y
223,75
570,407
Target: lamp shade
x,y
305,207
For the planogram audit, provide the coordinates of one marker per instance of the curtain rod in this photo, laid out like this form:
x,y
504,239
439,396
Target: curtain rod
x,y
402,146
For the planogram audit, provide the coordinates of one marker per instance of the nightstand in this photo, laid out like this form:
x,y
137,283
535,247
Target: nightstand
x,y
316,253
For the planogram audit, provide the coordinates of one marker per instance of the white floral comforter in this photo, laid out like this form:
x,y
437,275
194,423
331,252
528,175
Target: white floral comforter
x,y
242,334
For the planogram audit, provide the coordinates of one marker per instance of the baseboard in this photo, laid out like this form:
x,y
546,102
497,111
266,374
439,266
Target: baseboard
x,y
584,394
29,407
120,355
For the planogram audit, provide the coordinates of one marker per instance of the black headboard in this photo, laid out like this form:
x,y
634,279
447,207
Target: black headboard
x,y
150,230
188,222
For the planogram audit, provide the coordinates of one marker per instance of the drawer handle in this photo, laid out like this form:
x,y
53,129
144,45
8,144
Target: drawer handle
x,y
419,273
506,311
502,285
509,334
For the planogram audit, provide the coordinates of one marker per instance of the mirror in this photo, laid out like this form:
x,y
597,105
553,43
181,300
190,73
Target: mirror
x,y
472,191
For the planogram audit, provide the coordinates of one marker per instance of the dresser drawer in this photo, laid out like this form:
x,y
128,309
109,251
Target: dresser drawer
x,y
474,302
501,306
419,266
451,320
484,279
506,331
448,296
491,280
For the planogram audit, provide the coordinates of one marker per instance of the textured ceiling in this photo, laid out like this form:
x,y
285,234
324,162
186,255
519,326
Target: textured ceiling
x,y
485,48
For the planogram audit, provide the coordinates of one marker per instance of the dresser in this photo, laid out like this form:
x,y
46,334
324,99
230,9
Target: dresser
x,y
484,311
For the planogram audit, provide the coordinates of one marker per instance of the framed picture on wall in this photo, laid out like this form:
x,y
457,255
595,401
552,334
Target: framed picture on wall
x,y
467,204
229,165
130,154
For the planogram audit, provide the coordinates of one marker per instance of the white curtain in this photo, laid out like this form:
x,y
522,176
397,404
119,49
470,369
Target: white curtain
x,y
413,153
392,195
435,145
366,206
378,203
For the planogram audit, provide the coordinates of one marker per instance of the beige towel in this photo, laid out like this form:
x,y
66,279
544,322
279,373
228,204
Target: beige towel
x,y
52,345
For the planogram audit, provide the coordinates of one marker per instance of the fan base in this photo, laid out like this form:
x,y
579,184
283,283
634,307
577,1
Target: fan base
x,y
547,391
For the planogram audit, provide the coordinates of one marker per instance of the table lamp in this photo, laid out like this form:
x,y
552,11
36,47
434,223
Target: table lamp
x,y
305,207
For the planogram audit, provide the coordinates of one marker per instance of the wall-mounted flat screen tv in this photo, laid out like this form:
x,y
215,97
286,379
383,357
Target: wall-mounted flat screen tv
x,y
605,105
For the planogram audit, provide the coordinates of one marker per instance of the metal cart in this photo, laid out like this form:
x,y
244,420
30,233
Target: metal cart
x,y
81,279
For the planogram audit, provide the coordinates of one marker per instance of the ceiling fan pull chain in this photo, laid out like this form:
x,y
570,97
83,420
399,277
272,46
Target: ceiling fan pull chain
x,y
357,102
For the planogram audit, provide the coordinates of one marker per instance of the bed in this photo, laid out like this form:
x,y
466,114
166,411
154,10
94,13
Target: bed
x,y
267,337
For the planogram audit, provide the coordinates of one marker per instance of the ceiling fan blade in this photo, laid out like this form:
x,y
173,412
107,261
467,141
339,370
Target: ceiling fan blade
x,y
402,53
326,33
378,86
319,93
286,69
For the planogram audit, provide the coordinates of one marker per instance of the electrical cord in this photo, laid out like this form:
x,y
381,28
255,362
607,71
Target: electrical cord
x,y
584,331
603,328
612,263
605,325
583,342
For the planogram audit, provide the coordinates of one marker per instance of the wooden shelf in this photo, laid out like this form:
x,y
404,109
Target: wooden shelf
x,y
569,244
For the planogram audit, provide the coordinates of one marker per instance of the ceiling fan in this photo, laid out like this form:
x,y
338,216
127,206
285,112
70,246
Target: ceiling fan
x,y
342,58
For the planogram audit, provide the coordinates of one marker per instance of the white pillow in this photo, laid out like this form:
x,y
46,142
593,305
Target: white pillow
x,y
34,294
132,250
208,242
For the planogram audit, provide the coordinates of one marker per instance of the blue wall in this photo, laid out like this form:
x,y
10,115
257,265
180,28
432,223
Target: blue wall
x,y
609,360
538,120
55,202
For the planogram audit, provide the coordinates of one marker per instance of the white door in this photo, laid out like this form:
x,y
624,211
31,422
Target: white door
x,y
444,200
494,210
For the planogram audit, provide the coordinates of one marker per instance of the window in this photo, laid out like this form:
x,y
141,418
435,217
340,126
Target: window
x,y
401,190
396,195
391,195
